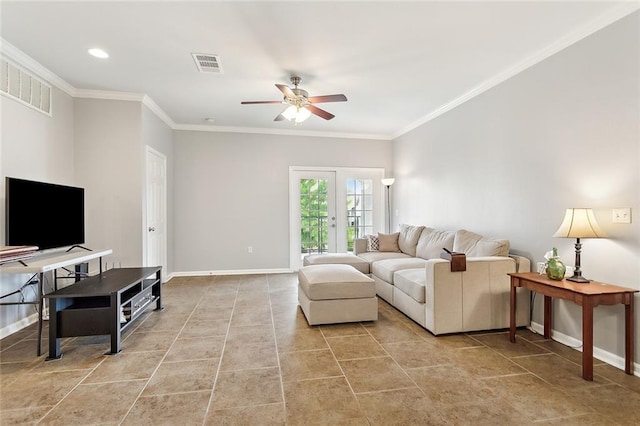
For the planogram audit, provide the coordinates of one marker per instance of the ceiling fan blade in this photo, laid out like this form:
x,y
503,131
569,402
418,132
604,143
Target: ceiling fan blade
x,y
260,102
280,117
320,112
327,98
286,91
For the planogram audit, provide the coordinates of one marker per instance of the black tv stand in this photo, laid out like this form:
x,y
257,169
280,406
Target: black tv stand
x,y
106,303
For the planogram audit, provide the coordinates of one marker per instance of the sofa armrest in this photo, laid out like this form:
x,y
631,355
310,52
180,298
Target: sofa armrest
x,y
359,246
476,299
523,264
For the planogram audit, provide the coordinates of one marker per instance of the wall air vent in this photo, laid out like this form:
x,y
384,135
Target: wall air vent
x,y
27,89
207,62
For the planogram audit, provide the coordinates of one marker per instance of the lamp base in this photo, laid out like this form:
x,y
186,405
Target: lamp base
x,y
578,279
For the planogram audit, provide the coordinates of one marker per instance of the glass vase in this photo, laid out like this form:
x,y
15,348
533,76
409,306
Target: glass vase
x,y
555,267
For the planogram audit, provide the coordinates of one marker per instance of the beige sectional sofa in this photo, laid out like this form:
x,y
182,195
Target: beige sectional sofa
x,y
411,276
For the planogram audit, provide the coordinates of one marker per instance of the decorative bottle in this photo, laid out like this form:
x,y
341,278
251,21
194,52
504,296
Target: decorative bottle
x,y
555,267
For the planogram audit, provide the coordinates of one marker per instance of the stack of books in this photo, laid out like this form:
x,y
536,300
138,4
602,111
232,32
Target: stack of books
x,y
16,253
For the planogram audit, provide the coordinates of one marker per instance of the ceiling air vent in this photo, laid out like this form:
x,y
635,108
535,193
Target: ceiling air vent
x,y
25,88
207,62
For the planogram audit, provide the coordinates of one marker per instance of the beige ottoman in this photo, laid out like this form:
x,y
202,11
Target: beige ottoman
x,y
339,259
331,294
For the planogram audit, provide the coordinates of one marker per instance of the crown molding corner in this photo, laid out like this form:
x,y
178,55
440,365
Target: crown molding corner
x,y
159,112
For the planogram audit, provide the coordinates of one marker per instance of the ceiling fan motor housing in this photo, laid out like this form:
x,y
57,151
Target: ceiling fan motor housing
x,y
301,98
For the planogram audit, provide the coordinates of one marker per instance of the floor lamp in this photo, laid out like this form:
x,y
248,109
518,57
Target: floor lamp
x,y
388,182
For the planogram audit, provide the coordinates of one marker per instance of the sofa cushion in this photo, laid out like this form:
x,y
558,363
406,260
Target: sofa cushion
x,y
474,245
322,282
384,269
432,242
388,242
408,238
412,282
374,256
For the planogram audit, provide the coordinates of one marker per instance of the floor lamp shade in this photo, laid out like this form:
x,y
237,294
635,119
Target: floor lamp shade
x,y
579,223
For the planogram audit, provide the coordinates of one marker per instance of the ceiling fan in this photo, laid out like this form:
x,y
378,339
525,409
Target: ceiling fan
x,y
301,105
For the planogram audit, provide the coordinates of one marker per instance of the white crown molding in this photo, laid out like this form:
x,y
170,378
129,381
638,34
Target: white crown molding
x,y
586,30
26,61
285,132
109,95
159,112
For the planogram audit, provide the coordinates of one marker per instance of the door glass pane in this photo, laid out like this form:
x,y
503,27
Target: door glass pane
x,y
314,234
359,210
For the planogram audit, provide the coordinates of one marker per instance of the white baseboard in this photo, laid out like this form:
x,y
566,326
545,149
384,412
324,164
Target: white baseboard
x,y
232,272
18,325
601,354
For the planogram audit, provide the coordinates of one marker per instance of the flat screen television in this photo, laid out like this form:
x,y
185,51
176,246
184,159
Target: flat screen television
x,y
43,214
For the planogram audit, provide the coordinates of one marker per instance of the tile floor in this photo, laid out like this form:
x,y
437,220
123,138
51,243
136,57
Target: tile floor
x,y
237,350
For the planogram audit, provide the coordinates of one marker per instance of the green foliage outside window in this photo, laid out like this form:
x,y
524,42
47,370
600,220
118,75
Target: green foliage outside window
x,y
314,231
313,215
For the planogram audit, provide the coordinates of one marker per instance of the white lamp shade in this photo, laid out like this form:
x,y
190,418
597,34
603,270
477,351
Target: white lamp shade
x,y
579,223
303,114
290,113
387,181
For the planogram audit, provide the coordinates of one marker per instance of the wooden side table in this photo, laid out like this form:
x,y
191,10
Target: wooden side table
x,y
587,295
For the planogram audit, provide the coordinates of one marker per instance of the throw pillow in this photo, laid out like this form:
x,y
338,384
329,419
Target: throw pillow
x,y
408,238
475,245
388,242
373,244
432,242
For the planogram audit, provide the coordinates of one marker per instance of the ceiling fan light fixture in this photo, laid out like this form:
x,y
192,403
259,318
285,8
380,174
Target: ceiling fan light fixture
x,y
302,115
290,113
294,113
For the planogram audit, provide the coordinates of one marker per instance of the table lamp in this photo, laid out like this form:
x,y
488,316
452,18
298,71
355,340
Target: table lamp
x,y
579,223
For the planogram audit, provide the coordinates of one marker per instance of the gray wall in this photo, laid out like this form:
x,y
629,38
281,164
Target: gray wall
x,y
232,191
109,165
564,133
95,144
37,147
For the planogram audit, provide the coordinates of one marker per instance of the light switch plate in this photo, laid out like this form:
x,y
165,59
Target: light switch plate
x,y
621,215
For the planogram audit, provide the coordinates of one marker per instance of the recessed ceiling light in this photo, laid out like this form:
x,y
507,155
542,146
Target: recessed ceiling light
x,y
210,120
98,53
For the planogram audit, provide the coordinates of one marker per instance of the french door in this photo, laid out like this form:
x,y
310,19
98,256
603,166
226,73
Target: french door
x,y
313,194
330,207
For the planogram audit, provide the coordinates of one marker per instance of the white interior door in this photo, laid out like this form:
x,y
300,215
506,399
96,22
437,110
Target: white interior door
x,y
312,213
156,210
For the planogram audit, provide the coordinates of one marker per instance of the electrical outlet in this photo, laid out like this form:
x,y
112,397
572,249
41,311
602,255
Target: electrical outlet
x,y
250,249
622,215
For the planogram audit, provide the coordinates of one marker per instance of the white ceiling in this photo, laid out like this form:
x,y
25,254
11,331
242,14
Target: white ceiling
x,y
398,63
